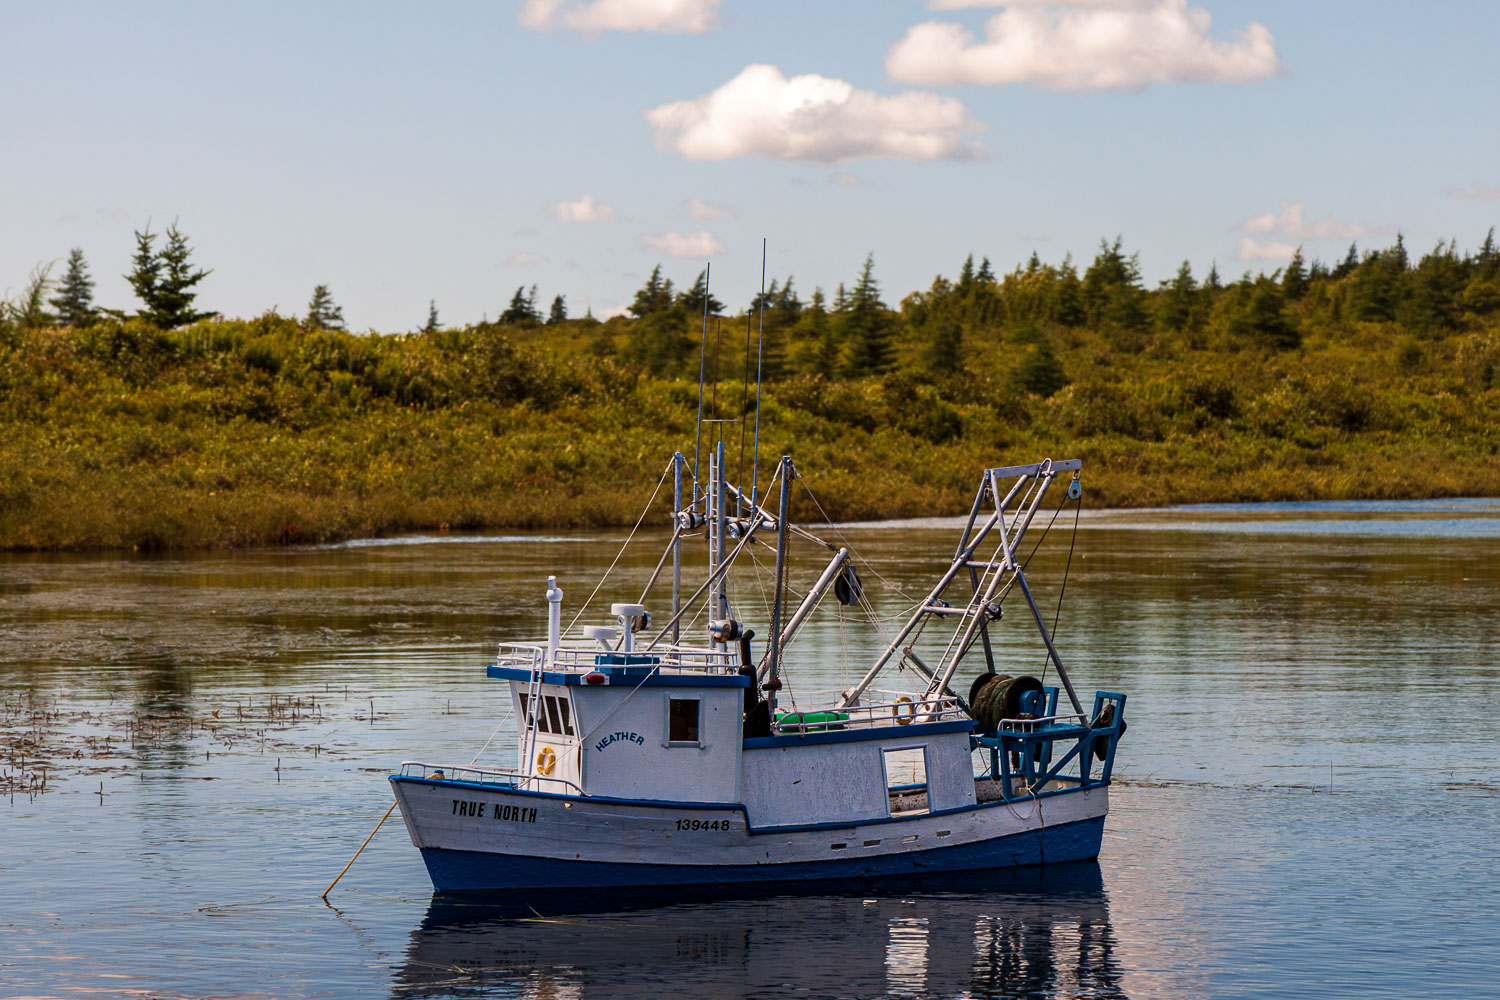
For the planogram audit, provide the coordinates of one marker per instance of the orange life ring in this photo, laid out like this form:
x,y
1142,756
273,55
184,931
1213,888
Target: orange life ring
x,y
904,720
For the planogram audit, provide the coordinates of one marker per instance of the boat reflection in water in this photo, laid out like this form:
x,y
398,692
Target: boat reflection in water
x,y
1015,933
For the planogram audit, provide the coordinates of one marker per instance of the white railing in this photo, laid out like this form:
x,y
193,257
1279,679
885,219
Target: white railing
x,y
1031,725
528,656
901,711
507,777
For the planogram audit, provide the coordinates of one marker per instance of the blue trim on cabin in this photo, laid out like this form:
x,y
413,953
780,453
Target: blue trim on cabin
x,y
460,871
912,731
739,807
621,675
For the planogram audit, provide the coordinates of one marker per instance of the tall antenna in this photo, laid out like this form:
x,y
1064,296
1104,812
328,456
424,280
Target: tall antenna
x,y
702,358
760,355
739,471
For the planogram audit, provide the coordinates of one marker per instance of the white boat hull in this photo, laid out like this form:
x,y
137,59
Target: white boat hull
x,y
486,837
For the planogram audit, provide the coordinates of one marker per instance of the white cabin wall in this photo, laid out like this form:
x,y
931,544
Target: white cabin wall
x,y
950,772
817,783
649,769
838,782
566,766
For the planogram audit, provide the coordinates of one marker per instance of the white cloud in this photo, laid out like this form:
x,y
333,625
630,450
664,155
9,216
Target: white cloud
x,y
1289,223
590,17
1253,249
1095,4
708,210
699,244
762,113
524,258
585,209
1480,192
844,178
1089,46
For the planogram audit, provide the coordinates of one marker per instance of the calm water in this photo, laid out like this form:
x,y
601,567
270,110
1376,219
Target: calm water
x,y
1308,798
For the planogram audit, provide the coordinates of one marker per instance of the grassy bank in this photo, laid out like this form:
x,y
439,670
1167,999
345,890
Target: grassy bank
x,y
265,431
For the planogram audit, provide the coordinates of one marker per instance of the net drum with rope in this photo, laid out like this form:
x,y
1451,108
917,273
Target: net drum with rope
x,y
994,697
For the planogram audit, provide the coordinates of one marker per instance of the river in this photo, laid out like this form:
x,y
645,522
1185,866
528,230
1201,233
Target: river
x,y
1306,803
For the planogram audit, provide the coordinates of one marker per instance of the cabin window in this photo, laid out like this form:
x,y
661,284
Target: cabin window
x,y
906,780
553,714
682,721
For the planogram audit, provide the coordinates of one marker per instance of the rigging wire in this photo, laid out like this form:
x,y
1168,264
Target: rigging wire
x,y
853,552
718,340
1077,510
646,510
702,359
508,713
739,473
760,354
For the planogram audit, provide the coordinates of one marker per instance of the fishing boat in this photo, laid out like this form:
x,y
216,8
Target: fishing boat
x,y
648,756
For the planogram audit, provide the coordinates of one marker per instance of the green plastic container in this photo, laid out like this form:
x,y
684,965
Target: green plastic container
x,y
813,722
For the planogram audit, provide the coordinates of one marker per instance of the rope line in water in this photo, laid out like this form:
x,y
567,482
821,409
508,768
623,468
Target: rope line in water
x,y
360,851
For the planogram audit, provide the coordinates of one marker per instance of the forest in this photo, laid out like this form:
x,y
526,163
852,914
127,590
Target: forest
x,y
168,426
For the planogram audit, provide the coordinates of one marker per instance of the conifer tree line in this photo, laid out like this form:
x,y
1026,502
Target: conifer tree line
x,y
165,282
858,334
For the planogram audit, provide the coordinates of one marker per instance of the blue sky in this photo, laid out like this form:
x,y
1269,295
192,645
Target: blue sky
x,y
404,152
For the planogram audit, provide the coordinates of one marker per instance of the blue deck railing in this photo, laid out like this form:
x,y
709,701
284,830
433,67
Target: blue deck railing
x,y
1022,749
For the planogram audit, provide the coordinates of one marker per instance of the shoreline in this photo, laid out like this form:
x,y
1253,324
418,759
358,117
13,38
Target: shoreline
x,y
243,537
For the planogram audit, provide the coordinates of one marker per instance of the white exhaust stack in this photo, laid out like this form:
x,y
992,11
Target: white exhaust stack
x,y
554,619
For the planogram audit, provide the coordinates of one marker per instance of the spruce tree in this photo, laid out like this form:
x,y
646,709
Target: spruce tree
x,y
1066,306
559,311
519,312
943,352
823,354
867,326
1040,373
1294,280
1487,261
1177,306
654,296
75,296
786,305
172,305
965,277
322,313
1264,318
986,275
432,325
694,299
145,272
1349,264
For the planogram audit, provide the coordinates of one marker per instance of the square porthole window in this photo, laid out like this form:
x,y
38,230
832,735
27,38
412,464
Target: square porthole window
x,y
682,722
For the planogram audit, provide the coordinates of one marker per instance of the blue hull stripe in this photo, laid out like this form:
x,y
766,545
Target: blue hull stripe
x,y
467,871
